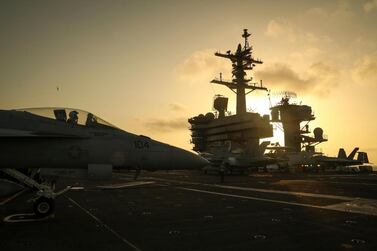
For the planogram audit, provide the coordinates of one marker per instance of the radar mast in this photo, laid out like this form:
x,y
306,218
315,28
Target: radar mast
x,y
242,60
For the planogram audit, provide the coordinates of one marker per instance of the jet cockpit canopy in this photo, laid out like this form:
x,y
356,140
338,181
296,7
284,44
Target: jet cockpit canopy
x,y
69,115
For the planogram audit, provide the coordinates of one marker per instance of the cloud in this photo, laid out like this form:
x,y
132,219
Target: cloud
x,y
310,54
362,44
166,125
276,29
318,79
303,28
340,12
280,74
324,78
177,107
365,70
202,66
283,29
370,6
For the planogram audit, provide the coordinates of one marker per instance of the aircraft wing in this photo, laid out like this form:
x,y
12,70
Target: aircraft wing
x,y
19,134
337,161
265,160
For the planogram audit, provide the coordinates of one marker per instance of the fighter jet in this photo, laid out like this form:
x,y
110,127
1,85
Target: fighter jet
x,y
64,141
239,160
342,159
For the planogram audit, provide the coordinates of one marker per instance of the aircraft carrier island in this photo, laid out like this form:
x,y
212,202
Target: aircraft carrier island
x,y
236,142
217,136
269,197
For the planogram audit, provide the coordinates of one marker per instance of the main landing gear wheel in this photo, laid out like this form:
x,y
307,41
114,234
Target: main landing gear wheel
x,y
43,207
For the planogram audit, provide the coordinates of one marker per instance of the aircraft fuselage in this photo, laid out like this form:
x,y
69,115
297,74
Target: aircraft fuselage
x,y
31,141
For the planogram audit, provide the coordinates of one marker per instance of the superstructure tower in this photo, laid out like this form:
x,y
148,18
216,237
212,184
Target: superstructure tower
x,y
242,60
241,131
291,116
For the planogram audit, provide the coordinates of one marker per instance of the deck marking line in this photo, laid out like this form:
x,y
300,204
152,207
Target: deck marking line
x,y
350,183
12,197
104,225
126,185
9,219
341,207
316,195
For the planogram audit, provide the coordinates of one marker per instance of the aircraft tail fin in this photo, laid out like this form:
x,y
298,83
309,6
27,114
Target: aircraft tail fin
x,y
342,154
353,153
363,157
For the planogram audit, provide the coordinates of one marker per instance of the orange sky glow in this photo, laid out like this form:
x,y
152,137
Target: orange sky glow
x,y
145,66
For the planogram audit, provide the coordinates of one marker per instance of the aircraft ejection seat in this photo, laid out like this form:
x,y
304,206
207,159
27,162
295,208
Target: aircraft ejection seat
x,y
60,115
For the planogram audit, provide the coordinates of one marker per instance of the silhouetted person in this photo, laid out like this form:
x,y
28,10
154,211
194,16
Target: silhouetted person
x,y
222,172
91,120
73,118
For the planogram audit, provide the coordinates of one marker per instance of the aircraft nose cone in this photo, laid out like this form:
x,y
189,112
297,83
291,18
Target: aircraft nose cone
x,y
199,161
183,159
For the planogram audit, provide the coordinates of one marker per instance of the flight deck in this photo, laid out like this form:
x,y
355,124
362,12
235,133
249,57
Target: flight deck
x,y
186,210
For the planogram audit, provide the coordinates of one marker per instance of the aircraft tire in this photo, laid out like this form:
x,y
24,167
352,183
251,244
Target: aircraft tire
x,y
43,207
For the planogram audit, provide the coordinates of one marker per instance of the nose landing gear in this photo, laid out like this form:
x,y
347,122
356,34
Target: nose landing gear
x,y
44,200
43,207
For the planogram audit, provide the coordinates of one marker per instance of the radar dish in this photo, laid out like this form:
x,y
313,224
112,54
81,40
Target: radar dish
x,y
284,94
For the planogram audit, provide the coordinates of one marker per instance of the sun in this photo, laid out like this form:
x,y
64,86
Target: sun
x,y
262,106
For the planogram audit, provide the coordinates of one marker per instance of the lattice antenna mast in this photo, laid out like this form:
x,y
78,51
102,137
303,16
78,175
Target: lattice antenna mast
x,y
242,60
246,35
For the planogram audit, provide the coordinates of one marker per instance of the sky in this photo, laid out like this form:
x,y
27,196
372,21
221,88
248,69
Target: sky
x,y
145,66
